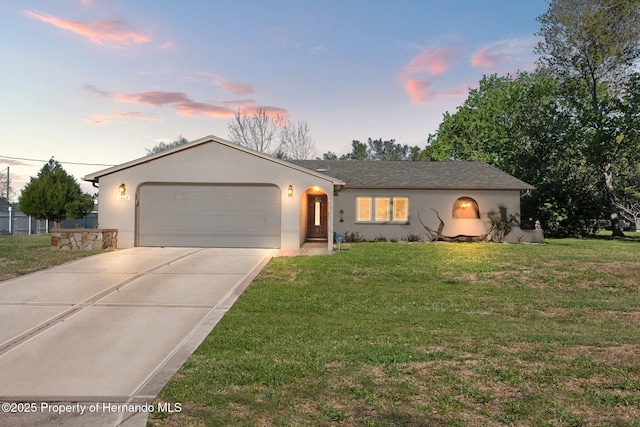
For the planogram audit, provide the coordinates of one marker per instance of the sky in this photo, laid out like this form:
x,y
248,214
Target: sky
x,y
95,83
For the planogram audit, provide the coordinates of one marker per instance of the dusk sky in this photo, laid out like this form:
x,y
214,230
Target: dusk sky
x,y
98,81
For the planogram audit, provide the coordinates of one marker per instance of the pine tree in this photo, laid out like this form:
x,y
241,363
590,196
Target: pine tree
x,y
54,195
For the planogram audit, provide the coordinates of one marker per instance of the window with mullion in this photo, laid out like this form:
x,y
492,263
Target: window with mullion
x,y
382,209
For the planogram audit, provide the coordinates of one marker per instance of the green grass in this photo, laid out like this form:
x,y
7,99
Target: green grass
x,y
399,334
25,254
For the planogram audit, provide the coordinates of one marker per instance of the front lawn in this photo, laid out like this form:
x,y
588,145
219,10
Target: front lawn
x,y
384,334
25,254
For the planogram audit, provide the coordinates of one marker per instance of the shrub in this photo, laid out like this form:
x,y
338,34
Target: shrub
x,y
501,224
353,237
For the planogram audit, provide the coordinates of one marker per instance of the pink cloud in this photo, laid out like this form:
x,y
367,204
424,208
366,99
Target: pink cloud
x,y
167,45
100,32
100,119
417,76
192,108
433,60
419,90
155,98
487,57
184,105
236,88
271,111
240,102
505,55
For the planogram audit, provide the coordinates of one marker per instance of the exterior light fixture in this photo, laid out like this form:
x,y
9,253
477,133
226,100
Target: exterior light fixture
x,y
290,191
122,189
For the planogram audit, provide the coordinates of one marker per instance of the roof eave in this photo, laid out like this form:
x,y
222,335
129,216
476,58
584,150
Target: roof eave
x,y
95,177
408,187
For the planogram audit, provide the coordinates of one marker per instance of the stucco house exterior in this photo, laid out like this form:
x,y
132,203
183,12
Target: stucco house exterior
x,y
213,193
393,199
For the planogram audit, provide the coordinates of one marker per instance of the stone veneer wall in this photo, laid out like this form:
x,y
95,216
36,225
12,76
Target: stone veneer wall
x,y
84,238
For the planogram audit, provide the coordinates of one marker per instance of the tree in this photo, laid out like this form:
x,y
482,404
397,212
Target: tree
x,y
180,140
329,155
358,152
592,46
255,131
388,150
379,149
628,196
54,195
519,124
296,142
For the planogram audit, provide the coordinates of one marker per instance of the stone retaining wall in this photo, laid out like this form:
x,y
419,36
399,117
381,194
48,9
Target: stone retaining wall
x,y
87,239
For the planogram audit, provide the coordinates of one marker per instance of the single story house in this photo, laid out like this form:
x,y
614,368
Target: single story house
x,y
213,193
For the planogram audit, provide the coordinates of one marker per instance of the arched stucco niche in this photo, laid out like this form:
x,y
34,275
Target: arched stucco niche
x,y
465,208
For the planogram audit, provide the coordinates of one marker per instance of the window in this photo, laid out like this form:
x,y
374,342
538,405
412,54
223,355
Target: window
x,y
401,209
363,209
317,211
382,209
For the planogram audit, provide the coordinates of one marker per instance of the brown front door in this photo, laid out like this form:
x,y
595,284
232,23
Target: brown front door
x,y
317,217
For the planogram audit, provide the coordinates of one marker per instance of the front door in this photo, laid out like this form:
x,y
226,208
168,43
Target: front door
x,y
317,217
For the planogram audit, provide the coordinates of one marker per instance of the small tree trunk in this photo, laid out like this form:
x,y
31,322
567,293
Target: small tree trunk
x,y
611,199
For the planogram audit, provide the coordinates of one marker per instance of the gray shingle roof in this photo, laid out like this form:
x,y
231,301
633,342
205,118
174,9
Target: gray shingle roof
x,y
419,175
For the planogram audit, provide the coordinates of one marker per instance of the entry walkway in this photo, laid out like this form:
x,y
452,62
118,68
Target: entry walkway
x,y
307,249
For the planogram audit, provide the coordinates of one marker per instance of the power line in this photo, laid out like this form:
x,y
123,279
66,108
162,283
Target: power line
x,y
59,161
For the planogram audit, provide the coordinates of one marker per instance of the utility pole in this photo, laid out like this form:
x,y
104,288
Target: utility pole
x,y
7,183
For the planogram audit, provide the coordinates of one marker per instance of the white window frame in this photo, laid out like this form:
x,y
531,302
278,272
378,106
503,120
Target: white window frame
x,y
364,216
372,204
382,209
394,208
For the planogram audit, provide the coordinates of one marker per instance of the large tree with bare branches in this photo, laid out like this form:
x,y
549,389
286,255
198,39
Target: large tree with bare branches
x,y
296,142
255,130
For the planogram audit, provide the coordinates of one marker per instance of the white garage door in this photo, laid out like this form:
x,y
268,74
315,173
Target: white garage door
x,y
193,215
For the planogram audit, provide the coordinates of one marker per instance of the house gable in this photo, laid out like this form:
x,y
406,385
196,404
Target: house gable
x,y
207,175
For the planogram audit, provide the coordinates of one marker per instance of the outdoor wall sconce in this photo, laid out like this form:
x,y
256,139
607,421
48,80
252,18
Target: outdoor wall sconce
x,y
122,189
290,191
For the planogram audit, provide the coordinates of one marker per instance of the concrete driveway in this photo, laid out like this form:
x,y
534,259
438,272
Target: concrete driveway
x,y
116,326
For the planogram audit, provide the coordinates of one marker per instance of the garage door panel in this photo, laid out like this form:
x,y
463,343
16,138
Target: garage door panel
x,y
209,215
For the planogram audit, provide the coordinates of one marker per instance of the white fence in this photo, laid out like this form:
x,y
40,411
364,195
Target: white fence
x,y
14,222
